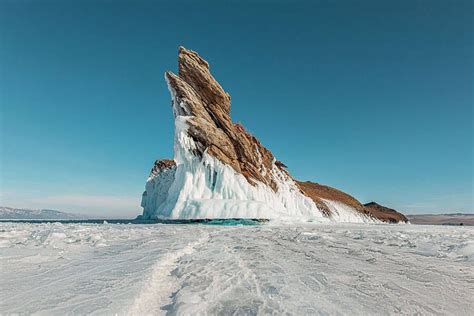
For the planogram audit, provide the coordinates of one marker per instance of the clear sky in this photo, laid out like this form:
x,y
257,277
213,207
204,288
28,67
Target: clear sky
x,y
371,97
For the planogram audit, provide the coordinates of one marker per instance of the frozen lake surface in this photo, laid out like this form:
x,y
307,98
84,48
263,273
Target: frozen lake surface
x,y
54,269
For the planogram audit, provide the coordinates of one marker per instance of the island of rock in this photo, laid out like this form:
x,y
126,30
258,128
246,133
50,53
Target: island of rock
x,y
220,170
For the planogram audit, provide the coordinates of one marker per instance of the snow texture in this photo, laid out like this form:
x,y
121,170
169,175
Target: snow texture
x,y
352,269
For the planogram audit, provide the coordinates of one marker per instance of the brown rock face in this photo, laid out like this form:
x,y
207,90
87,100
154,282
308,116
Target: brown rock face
x,y
199,95
317,192
384,213
162,165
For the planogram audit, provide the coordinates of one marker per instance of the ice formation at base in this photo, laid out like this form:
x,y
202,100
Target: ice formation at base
x,y
207,188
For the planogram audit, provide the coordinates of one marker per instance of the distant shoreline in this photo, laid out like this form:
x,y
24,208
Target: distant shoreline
x,y
217,221
423,219
455,219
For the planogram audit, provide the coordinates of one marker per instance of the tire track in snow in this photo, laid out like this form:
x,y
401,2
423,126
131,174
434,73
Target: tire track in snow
x,y
157,292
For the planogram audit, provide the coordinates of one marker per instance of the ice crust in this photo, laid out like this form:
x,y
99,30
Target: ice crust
x,y
204,187
56,269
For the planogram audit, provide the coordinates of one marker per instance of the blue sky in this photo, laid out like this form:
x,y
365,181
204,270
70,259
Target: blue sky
x,y
371,97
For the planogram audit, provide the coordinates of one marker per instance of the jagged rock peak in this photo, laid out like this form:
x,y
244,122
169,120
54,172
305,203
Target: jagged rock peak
x,y
195,71
220,170
198,95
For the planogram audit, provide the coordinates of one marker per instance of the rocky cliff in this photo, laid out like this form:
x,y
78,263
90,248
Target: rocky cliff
x,y
384,213
200,97
220,170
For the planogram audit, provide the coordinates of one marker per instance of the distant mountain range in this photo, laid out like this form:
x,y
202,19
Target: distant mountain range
x,y
20,213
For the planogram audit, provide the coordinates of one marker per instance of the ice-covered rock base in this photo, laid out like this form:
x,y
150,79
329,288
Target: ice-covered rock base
x,y
204,187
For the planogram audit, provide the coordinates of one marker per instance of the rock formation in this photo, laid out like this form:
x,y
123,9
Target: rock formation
x,y
199,96
384,213
220,170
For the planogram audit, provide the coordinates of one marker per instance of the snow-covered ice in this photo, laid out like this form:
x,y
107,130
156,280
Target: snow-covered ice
x,y
357,269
